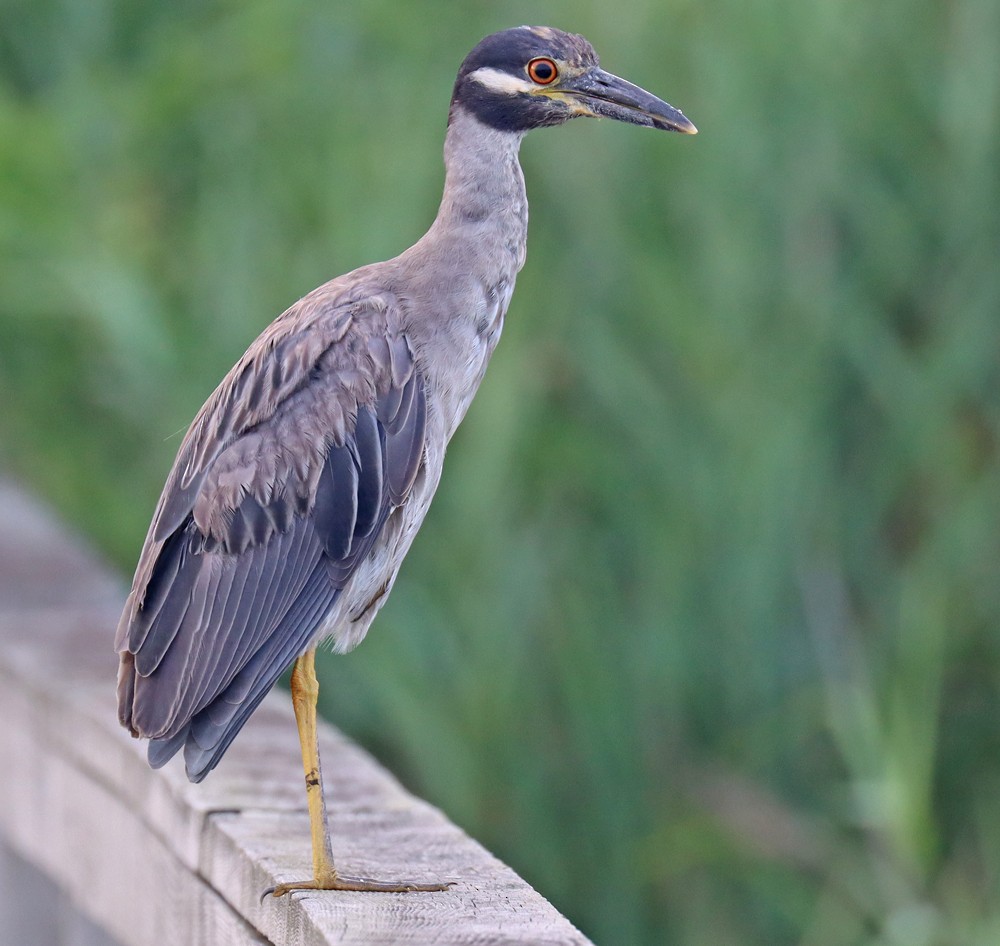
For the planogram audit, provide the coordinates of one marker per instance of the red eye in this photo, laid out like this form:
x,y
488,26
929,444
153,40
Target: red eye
x,y
542,71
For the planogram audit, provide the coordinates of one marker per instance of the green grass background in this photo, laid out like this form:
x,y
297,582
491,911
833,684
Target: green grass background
x,y
702,634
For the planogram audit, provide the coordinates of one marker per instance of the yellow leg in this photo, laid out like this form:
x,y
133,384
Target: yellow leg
x,y
305,691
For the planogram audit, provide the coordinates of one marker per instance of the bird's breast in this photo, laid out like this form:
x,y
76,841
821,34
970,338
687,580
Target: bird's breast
x,y
459,350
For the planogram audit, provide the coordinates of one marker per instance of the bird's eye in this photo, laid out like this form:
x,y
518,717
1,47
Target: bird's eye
x,y
542,71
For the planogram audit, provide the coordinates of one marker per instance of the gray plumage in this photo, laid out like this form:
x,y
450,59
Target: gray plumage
x,y
303,480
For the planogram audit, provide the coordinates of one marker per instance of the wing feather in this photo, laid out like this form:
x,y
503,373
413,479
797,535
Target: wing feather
x,y
335,513
368,458
279,490
404,448
212,730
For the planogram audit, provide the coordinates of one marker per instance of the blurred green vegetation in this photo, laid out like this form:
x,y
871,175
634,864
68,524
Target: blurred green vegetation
x,y
702,634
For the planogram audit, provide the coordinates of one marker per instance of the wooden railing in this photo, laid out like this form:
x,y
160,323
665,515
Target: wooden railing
x,y
98,849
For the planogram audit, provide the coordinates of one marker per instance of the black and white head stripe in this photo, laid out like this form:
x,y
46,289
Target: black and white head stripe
x,y
494,85
501,82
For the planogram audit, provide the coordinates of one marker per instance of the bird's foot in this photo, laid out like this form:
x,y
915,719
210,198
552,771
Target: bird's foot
x,y
335,881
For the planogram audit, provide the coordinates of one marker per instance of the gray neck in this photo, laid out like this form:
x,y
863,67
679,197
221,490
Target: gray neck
x,y
483,217
460,275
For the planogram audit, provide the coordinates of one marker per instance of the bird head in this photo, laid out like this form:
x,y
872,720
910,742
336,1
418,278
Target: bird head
x,y
535,76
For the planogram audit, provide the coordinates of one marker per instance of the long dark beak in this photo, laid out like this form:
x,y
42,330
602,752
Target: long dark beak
x,y
601,94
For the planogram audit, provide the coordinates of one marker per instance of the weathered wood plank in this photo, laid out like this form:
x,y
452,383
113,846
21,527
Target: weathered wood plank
x,y
74,822
33,911
154,859
41,564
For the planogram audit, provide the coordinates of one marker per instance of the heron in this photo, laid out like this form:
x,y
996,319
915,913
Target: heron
x,y
302,481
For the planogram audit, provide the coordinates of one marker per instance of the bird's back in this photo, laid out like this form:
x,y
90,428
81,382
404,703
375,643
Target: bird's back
x,y
282,509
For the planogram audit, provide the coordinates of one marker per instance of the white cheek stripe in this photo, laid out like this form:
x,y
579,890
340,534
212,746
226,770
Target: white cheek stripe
x,y
502,82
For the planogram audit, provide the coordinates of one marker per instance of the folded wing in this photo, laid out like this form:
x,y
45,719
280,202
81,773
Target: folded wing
x,y
280,489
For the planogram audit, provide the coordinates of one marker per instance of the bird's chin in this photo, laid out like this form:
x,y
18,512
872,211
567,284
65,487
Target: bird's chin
x,y
573,105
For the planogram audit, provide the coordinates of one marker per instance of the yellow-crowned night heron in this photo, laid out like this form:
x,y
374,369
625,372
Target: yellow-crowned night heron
x,y
303,480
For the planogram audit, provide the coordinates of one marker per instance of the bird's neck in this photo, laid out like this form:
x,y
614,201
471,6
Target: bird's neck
x,y
484,209
462,271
